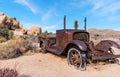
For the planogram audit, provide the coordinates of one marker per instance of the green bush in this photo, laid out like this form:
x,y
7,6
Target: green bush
x,y
11,34
76,24
17,26
2,39
4,32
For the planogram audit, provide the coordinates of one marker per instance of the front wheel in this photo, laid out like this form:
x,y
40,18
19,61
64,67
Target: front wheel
x,y
77,58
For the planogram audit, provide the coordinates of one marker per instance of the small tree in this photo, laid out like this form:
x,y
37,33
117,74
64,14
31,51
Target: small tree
x,y
17,26
45,33
11,34
14,18
4,32
2,39
76,24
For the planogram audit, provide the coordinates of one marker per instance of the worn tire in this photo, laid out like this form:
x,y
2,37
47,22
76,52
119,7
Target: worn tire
x,y
76,58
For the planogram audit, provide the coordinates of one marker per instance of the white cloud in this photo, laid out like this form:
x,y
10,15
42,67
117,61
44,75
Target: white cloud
x,y
27,4
103,7
50,27
28,25
77,4
47,15
97,7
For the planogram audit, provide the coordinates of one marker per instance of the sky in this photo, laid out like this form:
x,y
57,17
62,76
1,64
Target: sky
x,y
48,14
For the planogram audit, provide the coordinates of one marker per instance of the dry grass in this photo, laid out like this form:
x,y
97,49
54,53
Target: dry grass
x,y
2,39
12,48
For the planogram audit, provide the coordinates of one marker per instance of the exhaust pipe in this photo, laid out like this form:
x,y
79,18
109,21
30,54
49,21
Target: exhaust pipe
x,y
64,23
85,23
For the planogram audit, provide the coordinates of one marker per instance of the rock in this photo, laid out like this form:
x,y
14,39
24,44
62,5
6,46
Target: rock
x,y
11,23
2,18
9,19
21,26
15,23
35,45
34,30
1,14
8,22
19,32
105,34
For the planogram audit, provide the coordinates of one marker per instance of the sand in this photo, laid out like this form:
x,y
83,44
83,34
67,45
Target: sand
x,y
50,65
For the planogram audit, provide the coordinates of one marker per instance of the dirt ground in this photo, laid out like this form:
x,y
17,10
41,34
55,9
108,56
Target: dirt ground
x,y
50,65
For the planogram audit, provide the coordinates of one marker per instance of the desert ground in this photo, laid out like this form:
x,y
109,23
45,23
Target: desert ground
x,y
50,65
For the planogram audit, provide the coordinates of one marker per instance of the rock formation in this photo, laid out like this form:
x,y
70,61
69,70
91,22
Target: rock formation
x,y
2,18
34,30
12,24
9,22
104,34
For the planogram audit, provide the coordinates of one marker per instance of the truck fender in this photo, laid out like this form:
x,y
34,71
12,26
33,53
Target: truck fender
x,y
105,45
80,44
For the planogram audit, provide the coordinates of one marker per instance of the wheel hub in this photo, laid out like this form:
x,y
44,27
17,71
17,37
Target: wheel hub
x,y
75,58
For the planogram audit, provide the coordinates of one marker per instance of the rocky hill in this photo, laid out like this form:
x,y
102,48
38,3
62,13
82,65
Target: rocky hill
x,y
104,34
18,29
9,22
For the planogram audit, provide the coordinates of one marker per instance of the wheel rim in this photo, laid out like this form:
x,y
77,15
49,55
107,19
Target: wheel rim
x,y
74,58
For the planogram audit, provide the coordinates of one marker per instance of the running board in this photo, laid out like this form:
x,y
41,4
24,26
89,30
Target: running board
x,y
56,50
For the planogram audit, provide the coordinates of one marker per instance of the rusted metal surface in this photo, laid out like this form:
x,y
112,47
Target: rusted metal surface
x,y
70,38
85,24
104,57
67,35
80,44
102,50
105,45
81,36
67,38
64,23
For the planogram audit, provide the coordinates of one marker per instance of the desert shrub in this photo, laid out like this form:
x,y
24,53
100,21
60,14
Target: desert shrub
x,y
11,34
76,24
7,72
17,26
13,48
4,32
2,39
14,18
45,34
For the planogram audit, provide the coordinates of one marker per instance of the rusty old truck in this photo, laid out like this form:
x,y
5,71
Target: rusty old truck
x,y
78,48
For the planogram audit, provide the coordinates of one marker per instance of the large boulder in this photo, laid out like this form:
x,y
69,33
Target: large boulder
x,y
11,23
15,23
34,30
19,32
1,14
2,18
8,22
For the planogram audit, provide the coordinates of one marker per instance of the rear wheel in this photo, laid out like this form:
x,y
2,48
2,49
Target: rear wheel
x,y
77,58
42,45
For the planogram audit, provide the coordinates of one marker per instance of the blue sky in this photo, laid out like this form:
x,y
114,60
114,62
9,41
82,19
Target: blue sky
x,y
48,14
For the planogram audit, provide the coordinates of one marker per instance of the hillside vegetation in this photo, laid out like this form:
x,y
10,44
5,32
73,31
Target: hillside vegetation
x,y
106,34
